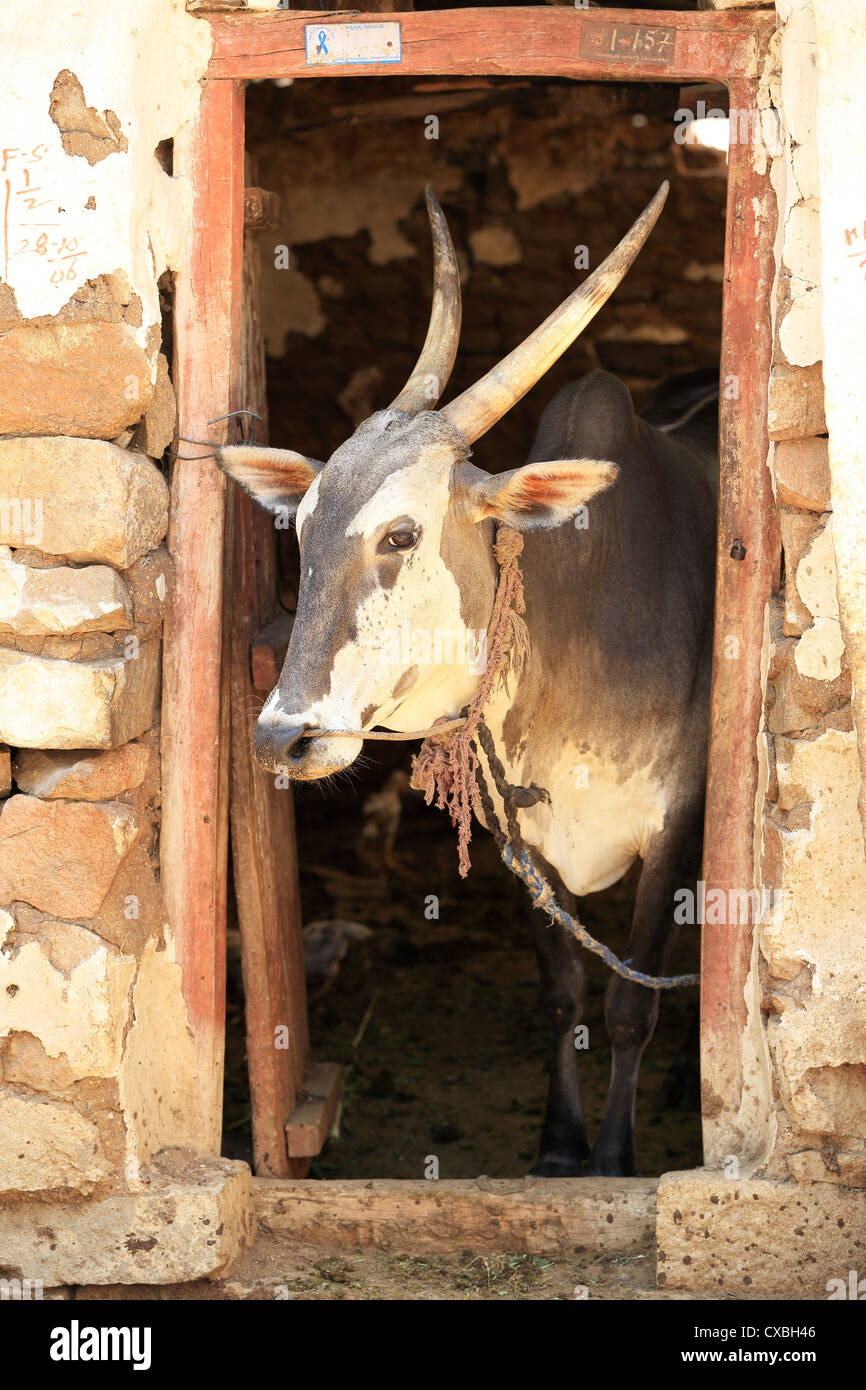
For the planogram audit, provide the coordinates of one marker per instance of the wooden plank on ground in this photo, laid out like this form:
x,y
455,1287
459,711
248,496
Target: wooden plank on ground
x,y
535,1216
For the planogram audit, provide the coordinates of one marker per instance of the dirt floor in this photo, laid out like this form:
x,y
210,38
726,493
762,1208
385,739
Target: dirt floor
x,y
274,1270
436,1022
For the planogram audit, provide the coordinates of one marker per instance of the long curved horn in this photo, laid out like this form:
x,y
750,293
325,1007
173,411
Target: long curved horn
x,y
478,408
433,368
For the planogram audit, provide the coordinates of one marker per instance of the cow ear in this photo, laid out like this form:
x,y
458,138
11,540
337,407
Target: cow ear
x,y
542,494
275,478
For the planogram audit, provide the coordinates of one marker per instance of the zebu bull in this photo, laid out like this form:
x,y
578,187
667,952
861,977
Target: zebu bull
x,y
610,710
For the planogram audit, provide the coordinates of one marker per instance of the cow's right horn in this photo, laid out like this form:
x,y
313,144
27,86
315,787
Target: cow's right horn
x,y
476,410
433,368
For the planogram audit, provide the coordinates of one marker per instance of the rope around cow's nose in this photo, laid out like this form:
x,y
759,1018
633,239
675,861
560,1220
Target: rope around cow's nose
x,y
446,726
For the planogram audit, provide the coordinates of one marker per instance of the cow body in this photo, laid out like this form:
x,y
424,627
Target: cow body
x,y
610,715
609,710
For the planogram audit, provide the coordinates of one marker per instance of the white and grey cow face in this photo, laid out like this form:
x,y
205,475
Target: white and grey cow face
x,y
397,577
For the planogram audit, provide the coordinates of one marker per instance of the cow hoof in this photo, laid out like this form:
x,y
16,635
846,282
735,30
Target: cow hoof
x,y
557,1168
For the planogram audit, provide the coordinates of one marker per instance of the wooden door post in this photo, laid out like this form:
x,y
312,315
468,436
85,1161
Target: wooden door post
x,y
193,843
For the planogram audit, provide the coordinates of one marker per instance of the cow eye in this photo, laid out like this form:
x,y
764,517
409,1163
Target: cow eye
x,y
401,540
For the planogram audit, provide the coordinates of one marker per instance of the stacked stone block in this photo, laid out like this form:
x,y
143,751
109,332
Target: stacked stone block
x,y
84,582
811,849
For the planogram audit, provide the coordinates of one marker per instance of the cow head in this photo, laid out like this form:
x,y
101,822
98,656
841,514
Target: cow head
x,y
395,532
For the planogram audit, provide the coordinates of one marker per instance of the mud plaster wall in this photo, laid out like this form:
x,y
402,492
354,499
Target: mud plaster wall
x,y
97,1069
812,959
527,172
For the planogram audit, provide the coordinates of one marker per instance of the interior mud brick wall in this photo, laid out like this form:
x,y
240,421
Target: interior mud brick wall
x,y
97,1064
538,179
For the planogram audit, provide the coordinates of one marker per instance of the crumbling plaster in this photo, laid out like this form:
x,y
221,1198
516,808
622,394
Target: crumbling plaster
x,y
841,59
94,1044
124,212
813,949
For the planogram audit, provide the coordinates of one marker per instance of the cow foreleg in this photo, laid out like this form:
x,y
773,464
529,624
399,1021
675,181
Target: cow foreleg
x,y
564,1146
631,1010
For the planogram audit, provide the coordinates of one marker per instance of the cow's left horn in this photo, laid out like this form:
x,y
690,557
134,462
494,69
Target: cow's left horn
x,y
476,410
433,368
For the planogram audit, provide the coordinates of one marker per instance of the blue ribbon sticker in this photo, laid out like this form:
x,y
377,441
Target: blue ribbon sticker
x,y
321,46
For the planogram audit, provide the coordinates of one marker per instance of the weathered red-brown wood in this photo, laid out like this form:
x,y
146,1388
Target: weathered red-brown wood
x,y
612,45
194,756
743,587
264,849
268,651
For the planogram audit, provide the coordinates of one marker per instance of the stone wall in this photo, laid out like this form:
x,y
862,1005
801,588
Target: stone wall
x,y
813,969
97,1067
753,1230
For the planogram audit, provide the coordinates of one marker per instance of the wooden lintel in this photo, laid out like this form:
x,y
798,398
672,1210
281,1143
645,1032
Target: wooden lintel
x,y
538,1216
268,651
602,45
262,210
201,6
316,1103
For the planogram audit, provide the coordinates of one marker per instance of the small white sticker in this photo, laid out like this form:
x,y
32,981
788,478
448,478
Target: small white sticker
x,y
353,43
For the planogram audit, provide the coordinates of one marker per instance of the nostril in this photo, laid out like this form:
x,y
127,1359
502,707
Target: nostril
x,y
276,744
294,743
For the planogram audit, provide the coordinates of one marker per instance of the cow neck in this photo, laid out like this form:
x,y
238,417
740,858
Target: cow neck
x,y
447,764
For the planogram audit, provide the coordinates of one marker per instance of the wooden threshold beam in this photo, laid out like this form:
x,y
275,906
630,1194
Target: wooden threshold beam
x,y
535,1216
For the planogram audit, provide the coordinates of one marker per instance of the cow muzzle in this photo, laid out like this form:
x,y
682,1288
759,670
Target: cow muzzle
x,y
287,749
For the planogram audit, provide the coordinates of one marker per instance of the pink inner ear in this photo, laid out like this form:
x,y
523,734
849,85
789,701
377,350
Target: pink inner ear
x,y
271,474
294,477
540,489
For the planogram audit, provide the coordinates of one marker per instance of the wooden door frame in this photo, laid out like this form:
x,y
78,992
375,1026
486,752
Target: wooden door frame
x,y
592,45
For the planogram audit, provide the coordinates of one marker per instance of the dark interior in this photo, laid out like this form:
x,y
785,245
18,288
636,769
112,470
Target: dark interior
x,y
435,1020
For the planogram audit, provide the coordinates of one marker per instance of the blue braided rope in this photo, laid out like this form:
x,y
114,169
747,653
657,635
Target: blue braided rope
x,y
543,897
